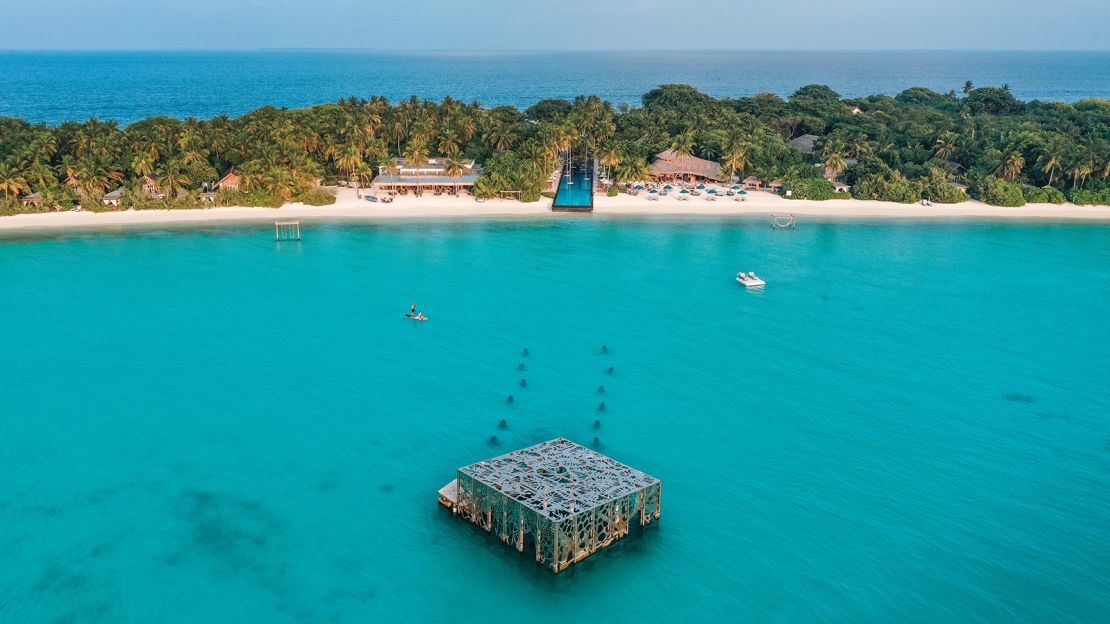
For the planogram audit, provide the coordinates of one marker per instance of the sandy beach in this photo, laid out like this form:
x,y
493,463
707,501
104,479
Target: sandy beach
x,y
350,207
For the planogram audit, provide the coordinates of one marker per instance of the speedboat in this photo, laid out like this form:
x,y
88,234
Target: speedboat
x,y
749,279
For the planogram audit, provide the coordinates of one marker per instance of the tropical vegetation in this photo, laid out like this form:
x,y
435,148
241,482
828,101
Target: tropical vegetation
x,y
902,148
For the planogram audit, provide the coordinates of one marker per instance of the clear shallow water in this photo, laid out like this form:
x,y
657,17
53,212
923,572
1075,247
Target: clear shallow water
x,y
909,423
126,86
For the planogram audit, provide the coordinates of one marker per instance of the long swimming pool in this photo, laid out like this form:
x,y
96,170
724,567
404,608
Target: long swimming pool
x,y
575,190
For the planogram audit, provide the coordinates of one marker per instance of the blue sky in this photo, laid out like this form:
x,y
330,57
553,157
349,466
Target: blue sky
x,y
564,24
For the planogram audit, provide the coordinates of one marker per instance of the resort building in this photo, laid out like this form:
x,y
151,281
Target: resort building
x,y
752,183
670,165
30,199
805,144
557,499
230,181
151,187
113,198
403,177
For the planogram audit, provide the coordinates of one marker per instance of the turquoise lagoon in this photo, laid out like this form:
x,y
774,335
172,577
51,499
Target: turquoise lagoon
x,y
910,423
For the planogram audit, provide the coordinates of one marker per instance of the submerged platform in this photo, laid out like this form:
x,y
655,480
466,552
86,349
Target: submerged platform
x,y
557,498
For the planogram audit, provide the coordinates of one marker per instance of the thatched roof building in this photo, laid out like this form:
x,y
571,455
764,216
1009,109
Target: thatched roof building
x,y
804,143
670,164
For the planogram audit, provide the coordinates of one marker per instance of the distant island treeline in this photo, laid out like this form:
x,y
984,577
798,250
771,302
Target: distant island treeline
x,y
920,144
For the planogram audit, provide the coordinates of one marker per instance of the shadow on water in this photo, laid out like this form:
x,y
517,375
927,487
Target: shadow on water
x,y
240,536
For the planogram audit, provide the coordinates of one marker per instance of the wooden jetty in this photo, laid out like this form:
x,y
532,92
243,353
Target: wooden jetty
x,y
557,499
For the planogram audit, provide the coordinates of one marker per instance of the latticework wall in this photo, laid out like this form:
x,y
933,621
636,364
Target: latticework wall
x,y
557,543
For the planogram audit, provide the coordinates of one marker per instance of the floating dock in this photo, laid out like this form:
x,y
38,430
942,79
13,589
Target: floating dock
x,y
557,499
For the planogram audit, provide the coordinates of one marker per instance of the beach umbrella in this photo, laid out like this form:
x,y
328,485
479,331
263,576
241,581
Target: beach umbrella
x,y
701,186
743,192
639,187
684,191
712,191
654,191
668,187
735,186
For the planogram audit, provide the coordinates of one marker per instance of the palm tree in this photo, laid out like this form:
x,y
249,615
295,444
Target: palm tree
x,y
1081,168
416,152
1011,165
40,175
173,179
498,137
683,144
610,157
835,162
1050,161
468,127
12,181
448,142
736,160
945,145
142,165
633,170
453,166
348,158
94,177
968,88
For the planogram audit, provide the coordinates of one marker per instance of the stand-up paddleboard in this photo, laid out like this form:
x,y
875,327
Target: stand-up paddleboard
x,y
415,318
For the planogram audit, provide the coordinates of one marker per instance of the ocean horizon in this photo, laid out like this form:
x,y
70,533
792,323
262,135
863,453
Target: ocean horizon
x,y
125,86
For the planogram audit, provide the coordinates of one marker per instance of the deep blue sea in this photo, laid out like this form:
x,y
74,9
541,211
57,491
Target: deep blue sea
x,y
911,423
127,86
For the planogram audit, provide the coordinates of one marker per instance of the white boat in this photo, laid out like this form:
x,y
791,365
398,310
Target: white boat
x,y
749,279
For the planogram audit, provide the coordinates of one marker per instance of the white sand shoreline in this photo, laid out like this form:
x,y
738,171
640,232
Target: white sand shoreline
x,y
349,207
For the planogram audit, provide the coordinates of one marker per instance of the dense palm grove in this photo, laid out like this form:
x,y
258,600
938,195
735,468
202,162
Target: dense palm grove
x,y
900,148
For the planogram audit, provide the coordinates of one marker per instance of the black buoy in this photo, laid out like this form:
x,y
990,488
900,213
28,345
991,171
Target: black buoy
x,y
523,383
604,349
524,352
493,441
601,407
502,424
597,424
510,400
520,366
601,389
610,371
